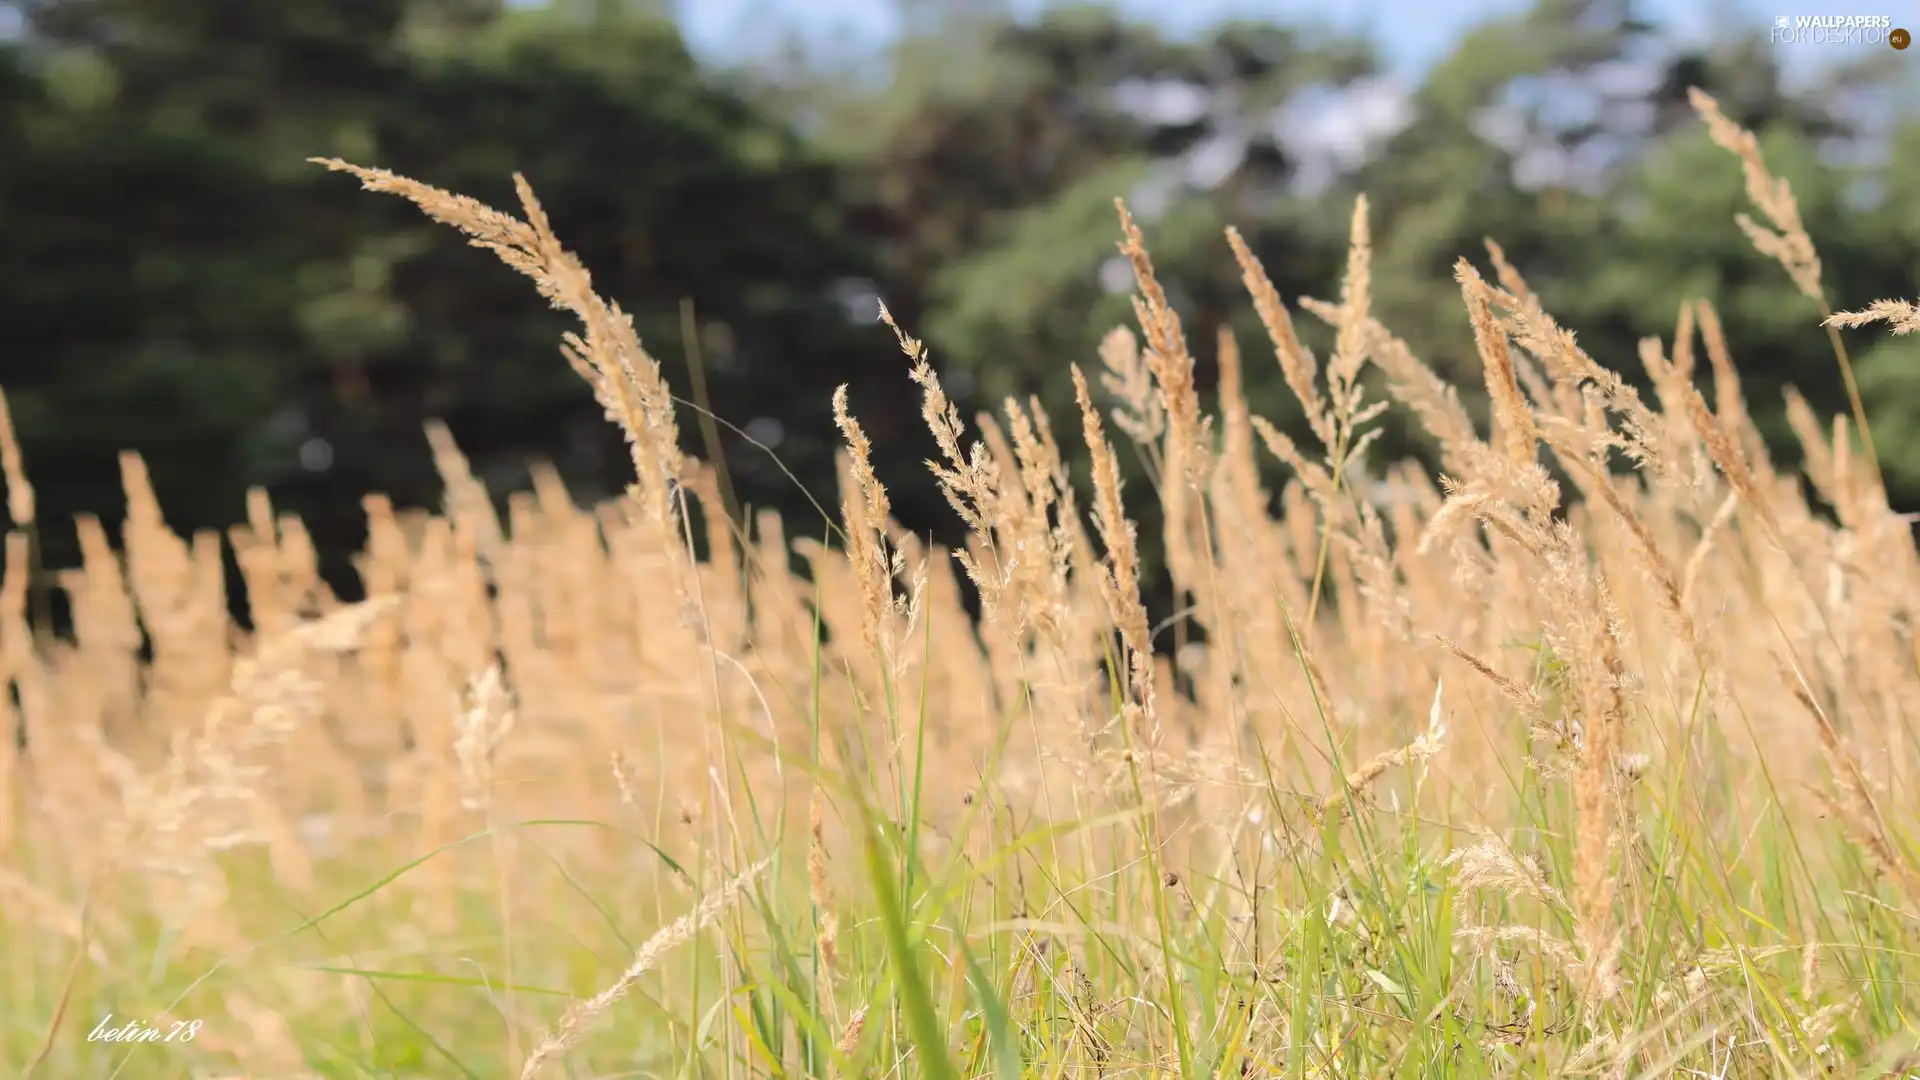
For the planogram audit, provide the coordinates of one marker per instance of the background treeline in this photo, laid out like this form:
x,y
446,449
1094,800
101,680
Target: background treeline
x,y
176,279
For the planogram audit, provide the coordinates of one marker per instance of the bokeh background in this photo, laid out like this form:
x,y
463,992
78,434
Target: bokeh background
x,y
750,177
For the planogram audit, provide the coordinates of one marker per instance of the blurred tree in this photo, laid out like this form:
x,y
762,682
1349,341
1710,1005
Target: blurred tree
x,y
990,162
182,281
141,307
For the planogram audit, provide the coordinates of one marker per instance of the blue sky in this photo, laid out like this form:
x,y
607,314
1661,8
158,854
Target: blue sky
x,y
1413,33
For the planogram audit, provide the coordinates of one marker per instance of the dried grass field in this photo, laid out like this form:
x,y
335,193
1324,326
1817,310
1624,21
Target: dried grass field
x,y
1592,756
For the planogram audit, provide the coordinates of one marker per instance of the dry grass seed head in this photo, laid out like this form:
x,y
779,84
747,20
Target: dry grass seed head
x,y
20,502
626,379
1423,748
1491,864
967,477
1901,316
1188,453
1297,363
865,508
1790,246
1513,419
1857,808
482,724
1139,413
1353,339
1120,573
580,1016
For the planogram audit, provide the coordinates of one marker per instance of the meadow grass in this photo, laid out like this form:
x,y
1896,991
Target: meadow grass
x,y
1591,756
